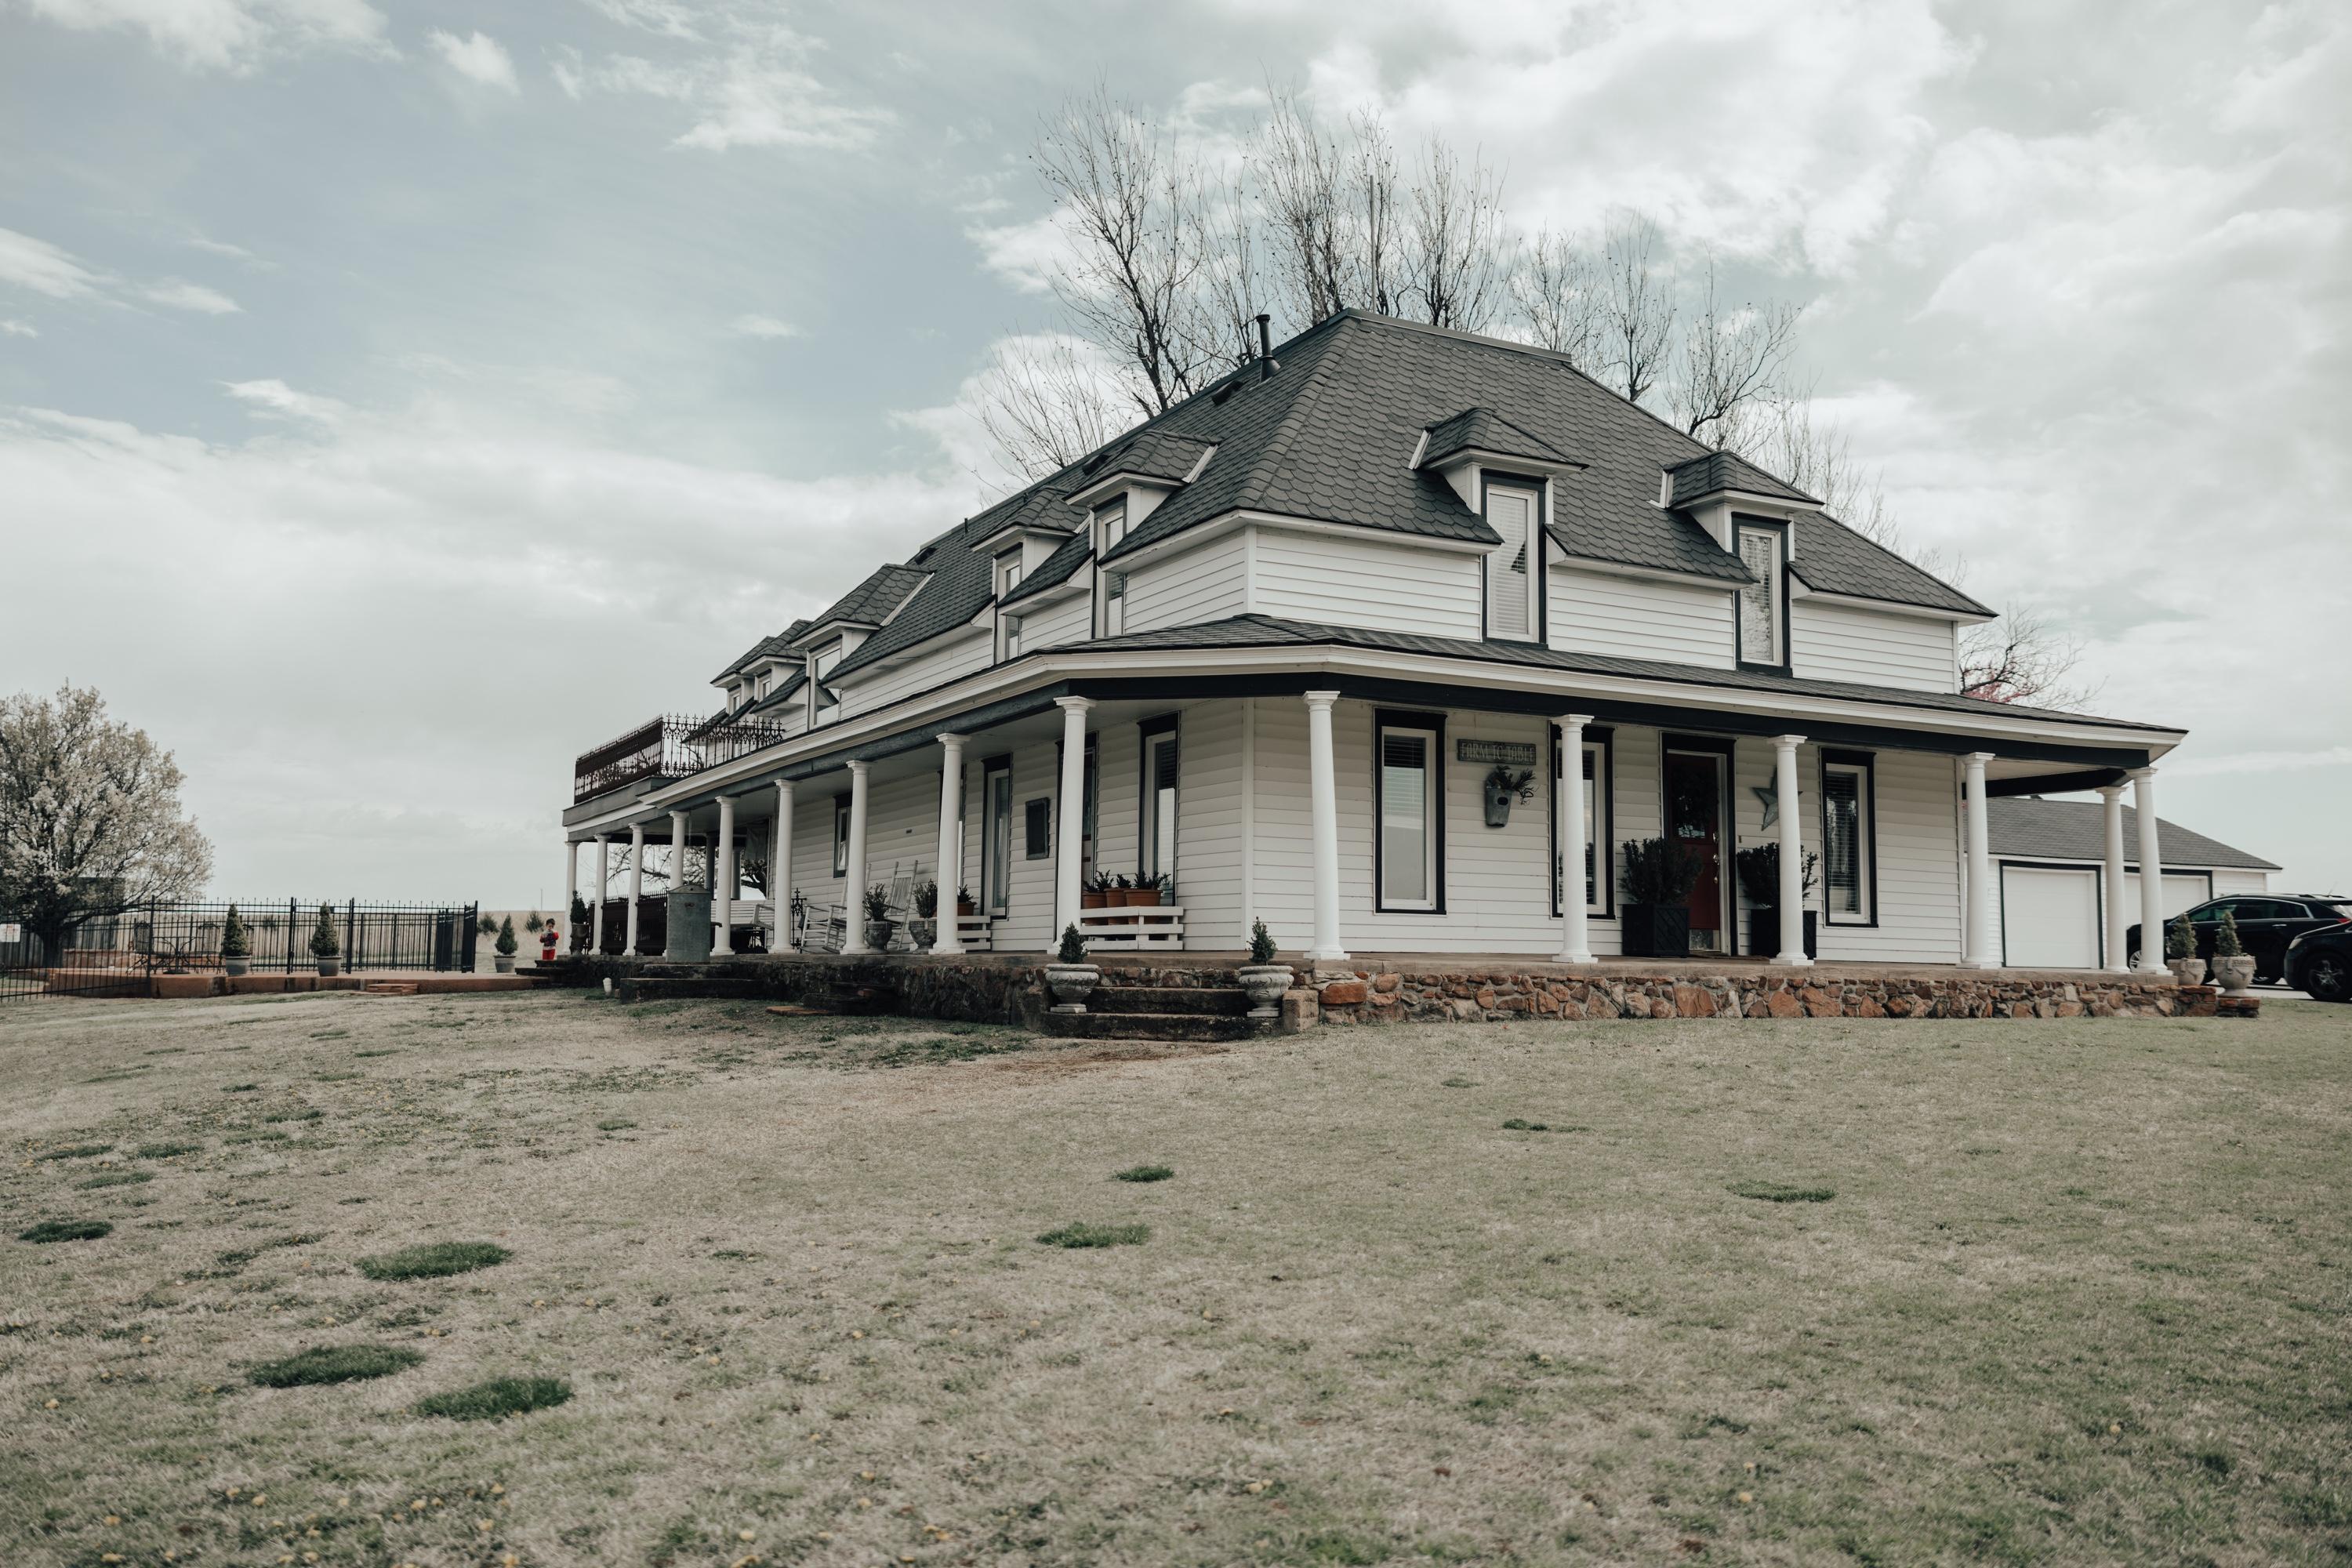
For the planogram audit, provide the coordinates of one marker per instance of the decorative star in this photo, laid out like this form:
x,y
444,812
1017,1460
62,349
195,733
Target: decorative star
x,y
1769,794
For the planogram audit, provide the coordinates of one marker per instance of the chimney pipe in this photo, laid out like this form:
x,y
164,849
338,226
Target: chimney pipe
x,y
1264,347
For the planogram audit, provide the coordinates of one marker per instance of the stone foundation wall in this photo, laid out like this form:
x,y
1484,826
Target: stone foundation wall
x,y
1497,995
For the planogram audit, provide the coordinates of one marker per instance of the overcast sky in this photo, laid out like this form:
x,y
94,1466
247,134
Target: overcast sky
x,y
396,401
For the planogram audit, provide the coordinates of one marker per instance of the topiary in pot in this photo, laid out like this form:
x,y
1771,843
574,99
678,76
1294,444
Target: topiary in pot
x,y
2234,967
1657,881
1758,869
878,923
1262,979
2180,951
235,946
505,946
1071,979
325,946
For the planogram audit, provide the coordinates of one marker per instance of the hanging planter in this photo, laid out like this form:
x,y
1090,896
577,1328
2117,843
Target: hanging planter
x,y
1503,787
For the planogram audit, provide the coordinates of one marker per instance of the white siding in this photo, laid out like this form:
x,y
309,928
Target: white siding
x,y
1841,642
1207,582
1368,582
942,659
1636,617
1209,862
1066,619
2239,881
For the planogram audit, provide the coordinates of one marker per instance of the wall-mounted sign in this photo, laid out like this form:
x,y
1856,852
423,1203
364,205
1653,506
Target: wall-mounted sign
x,y
1510,754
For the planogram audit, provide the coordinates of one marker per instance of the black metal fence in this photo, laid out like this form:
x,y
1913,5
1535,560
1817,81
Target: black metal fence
x,y
119,955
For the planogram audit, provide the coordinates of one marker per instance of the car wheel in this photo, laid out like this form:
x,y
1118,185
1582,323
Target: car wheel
x,y
2328,977
2131,959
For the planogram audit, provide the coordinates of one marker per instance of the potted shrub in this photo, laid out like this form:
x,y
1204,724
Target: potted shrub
x,y
1262,980
1094,893
506,945
1659,875
879,926
923,931
2180,951
1071,979
1157,891
235,946
582,925
964,906
2233,966
1502,787
1758,868
325,946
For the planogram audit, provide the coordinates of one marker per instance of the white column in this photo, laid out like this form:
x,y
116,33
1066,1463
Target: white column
x,y
596,903
677,873
1978,952
2111,802
636,881
854,941
1069,807
723,883
948,940
780,868
1575,937
563,898
2151,873
1322,788
1790,804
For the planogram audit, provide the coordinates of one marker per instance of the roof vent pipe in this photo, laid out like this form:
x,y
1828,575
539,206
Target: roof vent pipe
x,y
1264,347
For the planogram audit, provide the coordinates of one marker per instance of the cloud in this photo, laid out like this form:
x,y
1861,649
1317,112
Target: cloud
x,y
43,267
190,297
16,329
274,397
227,35
2261,763
478,58
756,91
756,326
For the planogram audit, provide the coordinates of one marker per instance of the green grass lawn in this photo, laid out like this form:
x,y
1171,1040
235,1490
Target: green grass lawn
x,y
733,1288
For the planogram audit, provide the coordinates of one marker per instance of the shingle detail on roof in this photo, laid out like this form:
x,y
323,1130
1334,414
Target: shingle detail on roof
x,y
1152,454
2029,827
1833,559
784,692
1054,570
777,646
1484,430
960,583
1712,473
1267,631
884,590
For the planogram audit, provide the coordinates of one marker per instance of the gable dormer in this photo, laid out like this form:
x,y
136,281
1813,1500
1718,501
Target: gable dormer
x,y
1750,515
1505,473
1123,485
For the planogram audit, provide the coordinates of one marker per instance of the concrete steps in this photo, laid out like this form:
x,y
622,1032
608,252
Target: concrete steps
x,y
1168,1012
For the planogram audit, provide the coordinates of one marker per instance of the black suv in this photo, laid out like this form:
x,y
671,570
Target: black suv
x,y
2320,961
2266,923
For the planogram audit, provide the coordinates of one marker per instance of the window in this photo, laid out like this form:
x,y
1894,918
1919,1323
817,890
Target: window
x,y
1008,572
1113,604
1515,511
1037,828
1114,527
996,845
1761,547
1409,794
1090,801
823,703
841,835
1156,854
1013,636
1596,821
1849,847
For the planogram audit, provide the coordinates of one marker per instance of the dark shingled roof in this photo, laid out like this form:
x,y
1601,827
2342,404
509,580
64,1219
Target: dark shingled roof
x,y
1055,569
1268,631
779,643
1153,453
1715,472
1329,434
1484,430
884,590
2029,827
795,679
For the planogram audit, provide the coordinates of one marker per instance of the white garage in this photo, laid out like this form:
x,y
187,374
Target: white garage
x,y
2049,856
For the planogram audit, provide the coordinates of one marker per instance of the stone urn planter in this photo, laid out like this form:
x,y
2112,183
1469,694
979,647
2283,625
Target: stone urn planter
x,y
2187,971
1264,985
923,934
2234,974
1071,984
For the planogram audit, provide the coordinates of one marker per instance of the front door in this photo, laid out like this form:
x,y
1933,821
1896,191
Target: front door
x,y
1694,789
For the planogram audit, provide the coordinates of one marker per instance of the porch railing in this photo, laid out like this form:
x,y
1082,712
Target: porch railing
x,y
1138,926
670,747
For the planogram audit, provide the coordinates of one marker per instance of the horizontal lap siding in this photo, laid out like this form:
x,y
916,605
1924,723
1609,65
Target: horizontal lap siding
x,y
1366,583
1597,612
1028,925
1207,583
1209,852
1839,642
1069,619
944,660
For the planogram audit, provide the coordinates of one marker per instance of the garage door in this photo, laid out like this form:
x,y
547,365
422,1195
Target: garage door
x,y
2182,891
2048,918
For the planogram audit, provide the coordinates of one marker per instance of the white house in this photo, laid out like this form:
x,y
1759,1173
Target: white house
x,y
2049,858
1273,642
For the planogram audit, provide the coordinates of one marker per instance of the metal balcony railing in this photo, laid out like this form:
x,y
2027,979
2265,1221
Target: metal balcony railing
x,y
670,747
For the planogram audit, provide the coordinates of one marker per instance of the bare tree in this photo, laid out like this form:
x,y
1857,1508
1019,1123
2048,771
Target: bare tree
x,y
1046,405
90,823
1302,179
2021,658
1638,305
1454,267
1557,293
1731,363
1817,458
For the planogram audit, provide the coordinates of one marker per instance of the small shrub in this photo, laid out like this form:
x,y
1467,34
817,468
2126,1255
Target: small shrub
x,y
50,1230
505,944
1074,946
1260,943
1084,1234
1776,1193
234,943
324,942
1146,1173
499,1397
116,1179
2226,943
167,1151
1659,871
433,1260
334,1364
2181,937
76,1151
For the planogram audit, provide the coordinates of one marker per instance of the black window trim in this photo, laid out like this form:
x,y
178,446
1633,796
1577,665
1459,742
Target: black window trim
x,y
1741,521
1147,731
1405,719
1000,763
1868,763
1603,822
2098,870
1038,845
1539,631
841,837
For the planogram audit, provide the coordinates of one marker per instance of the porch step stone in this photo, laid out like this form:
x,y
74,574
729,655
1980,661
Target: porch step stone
x,y
1164,1026
1220,1001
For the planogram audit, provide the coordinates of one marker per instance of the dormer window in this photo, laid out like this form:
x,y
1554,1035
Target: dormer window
x,y
1111,526
1515,568
1013,636
823,704
1763,612
767,679
1008,572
